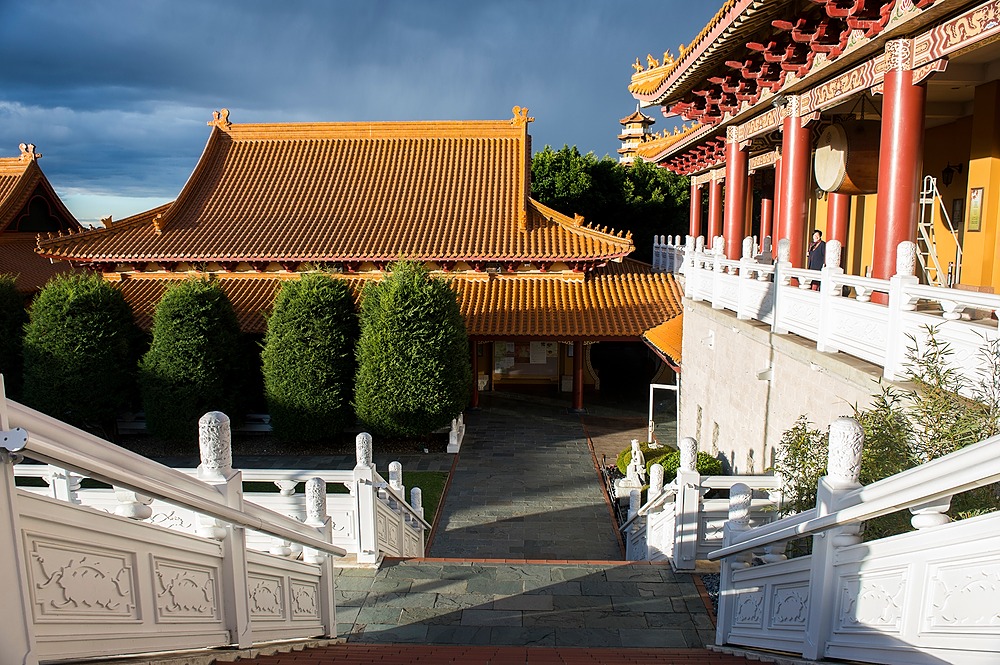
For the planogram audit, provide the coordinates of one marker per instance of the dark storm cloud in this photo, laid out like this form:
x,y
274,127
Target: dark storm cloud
x,y
117,94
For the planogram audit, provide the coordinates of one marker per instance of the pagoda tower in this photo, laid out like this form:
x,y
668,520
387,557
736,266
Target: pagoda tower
x,y
635,132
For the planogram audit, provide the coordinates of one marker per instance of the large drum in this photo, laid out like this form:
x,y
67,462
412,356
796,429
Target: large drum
x,y
846,158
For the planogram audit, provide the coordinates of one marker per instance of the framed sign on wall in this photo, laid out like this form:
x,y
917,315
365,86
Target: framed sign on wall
x,y
975,209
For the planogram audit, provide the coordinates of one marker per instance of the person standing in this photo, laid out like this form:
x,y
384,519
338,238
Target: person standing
x,y
817,254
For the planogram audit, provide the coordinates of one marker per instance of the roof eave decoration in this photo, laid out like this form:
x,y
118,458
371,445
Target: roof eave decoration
x,y
28,153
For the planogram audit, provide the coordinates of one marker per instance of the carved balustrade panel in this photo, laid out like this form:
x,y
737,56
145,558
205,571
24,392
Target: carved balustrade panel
x,y
771,605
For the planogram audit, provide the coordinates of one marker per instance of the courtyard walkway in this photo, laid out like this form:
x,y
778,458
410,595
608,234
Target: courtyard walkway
x,y
525,487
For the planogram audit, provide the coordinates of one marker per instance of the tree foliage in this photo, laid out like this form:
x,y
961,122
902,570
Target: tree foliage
x,y
79,351
308,358
194,362
643,198
13,316
414,373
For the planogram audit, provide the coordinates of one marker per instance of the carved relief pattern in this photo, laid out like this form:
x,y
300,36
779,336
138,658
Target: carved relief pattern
x,y
363,449
689,453
765,159
861,330
846,441
872,602
739,503
898,55
833,252
67,580
761,124
749,608
185,591
860,78
975,26
304,600
267,597
906,258
964,594
315,500
215,443
791,605
784,250
172,520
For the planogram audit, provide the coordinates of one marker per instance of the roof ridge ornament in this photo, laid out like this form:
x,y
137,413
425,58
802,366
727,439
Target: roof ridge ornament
x,y
28,153
521,117
220,119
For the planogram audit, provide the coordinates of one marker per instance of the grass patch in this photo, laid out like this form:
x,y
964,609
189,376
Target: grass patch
x,y
431,484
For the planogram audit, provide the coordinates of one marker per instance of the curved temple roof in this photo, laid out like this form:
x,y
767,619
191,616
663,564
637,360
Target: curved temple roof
x,y
327,192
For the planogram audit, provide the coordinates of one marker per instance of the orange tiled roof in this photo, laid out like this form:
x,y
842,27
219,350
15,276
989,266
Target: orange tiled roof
x,y
651,150
434,191
20,180
666,338
637,116
619,300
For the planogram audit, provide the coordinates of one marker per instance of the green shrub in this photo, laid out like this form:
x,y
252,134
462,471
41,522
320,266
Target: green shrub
x,y
670,460
414,373
79,351
13,316
308,358
193,364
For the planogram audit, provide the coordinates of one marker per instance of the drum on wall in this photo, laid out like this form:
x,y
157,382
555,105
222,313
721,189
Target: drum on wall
x,y
846,158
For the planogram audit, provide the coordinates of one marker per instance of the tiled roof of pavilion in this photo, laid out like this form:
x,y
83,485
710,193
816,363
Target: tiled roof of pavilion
x,y
666,338
637,116
21,183
651,151
620,300
433,191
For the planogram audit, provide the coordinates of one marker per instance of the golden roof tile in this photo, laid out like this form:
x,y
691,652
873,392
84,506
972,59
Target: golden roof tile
x,y
329,192
666,338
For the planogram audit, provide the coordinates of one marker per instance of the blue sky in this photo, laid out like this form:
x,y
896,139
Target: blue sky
x,y
116,95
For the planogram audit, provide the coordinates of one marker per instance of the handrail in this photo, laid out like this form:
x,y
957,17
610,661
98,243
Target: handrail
x,y
974,466
939,293
99,459
754,482
656,502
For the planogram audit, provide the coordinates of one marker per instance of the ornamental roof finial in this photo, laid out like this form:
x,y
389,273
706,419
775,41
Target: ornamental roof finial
x,y
521,117
220,119
637,66
28,153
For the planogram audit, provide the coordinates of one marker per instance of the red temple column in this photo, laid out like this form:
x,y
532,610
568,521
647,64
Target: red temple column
x,y
838,212
793,208
901,152
694,224
777,207
714,210
475,373
766,209
578,376
736,195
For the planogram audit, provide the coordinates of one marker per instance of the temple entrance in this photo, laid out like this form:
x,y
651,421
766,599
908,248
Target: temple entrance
x,y
625,369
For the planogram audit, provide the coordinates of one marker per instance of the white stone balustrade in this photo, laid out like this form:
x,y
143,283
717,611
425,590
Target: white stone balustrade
x,y
878,331
926,596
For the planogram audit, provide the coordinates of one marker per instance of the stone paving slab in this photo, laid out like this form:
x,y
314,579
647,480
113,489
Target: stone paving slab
x,y
579,605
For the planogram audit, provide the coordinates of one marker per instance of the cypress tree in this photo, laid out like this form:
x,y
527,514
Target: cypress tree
x,y
79,362
414,373
13,316
308,358
193,364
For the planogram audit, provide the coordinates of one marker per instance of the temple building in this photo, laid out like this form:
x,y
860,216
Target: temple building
x,y
538,289
635,132
874,122
29,206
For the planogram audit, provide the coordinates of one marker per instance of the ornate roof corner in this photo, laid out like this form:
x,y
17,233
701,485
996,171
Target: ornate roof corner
x,y
521,117
577,219
28,153
220,119
106,222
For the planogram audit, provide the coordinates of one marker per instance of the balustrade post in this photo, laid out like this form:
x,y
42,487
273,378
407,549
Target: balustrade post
x,y
316,516
635,548
842,472
216,469
417,501
747,263
781,279
740,496
17,631
719,253
396,480
655,481
896,342
364,491
829,291
687,506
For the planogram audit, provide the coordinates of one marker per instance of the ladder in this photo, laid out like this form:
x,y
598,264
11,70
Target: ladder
x,y
927,249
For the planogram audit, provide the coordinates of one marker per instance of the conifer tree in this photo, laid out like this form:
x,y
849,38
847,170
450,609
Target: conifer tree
x,y
308,358
414,373
79,351
194,363
13,316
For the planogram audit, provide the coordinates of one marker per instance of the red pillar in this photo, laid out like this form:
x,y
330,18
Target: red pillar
x,y
694,224
714,210
838,212
900,158
793,209
475,373
578,376
777,207
736,198
766,209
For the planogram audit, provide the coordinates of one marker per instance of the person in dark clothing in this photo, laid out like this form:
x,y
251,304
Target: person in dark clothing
x,y
817,255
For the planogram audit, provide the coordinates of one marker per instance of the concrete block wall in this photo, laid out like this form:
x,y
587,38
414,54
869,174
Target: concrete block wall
x,y
742,386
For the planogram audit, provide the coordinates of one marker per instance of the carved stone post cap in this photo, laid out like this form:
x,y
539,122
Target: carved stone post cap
x,y
215,444
363,449
699,243
689,453
784,250
747,247
906,259
740,495
416,498
315,501
847,439
655,479
833,252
